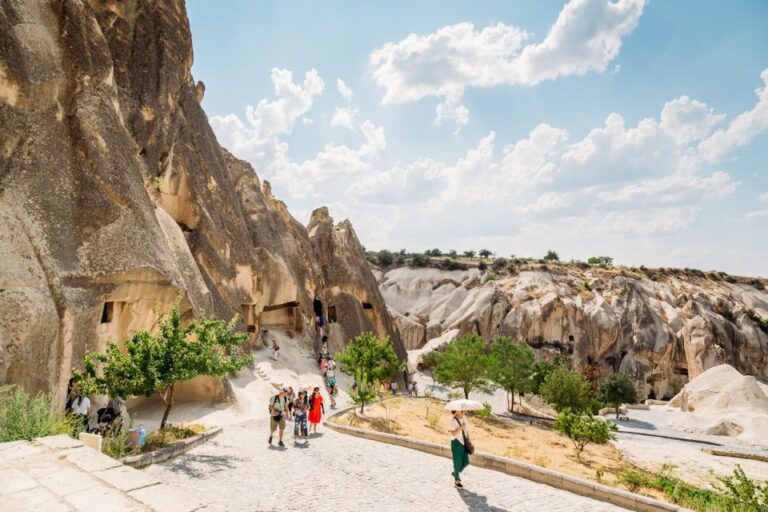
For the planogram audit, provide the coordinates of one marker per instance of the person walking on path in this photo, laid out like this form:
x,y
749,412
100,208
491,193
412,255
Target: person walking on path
x,y
290,395
300,408
459,434
278,409
79,406
393,387
275,349
316,409
331,383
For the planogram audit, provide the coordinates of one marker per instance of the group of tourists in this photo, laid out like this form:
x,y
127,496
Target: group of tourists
x,y
300,409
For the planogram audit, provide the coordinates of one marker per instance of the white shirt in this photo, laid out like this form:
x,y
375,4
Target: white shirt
x,y
81,405
456,424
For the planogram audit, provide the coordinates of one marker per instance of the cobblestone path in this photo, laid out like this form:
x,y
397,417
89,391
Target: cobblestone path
x,y
238,471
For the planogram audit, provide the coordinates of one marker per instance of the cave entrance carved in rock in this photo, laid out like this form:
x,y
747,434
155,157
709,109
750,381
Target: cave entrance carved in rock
x,y
285,315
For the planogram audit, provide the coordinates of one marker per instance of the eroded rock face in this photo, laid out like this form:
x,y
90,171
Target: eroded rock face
x,y
115,197
660,333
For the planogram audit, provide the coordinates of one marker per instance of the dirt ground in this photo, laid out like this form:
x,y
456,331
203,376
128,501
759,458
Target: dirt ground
x,y
426,419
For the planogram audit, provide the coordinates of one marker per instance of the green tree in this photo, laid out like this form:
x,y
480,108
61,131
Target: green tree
x,y
485,253
369,360
385,258
565,389
602,261
433,252
583,428
551,256
542,368
469,254
616,389
453,254
418,260
156,363
463,364
511,368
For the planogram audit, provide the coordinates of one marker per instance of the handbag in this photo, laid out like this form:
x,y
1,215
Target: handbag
x,y
468,446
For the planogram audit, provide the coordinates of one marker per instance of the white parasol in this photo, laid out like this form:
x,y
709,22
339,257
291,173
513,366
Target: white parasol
x,y
463,405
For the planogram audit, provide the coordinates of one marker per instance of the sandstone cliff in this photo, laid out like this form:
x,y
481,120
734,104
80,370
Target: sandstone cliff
x,y
662,328
115,196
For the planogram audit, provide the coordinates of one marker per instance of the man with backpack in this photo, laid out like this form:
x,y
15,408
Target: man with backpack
x,y
278,409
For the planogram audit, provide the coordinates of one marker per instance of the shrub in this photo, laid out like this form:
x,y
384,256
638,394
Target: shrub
x,y
486,412
385,258
583,429
489,277
551,256
469,254
115,442
453,254
482,266
616,389
419,260
433,252
23,417
565,389
499,264
602,261
745,491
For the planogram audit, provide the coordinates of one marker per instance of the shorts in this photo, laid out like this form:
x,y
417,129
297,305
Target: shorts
x,y
274,423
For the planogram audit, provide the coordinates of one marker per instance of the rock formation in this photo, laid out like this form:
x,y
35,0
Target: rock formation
x,y
115,197
662,328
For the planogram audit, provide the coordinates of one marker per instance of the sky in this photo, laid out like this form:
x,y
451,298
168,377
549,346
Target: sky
x,y
636,129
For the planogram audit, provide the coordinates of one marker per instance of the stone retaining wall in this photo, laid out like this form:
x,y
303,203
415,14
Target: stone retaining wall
x,y
183,446
520,469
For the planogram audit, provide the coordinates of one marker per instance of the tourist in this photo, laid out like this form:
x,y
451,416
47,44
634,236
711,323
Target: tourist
x,y
300,408
275,349
393,387
290,396
79,406
331,383
324,366
316,409
278,408
459,434
414,391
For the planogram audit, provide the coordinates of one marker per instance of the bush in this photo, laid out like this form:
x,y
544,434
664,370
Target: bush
x,y
749,493
489,277
565,389
551,256
453,254
385,258
499,264
583,429
433,252
602,261
482,266
469,254
419,260
486,412
115,442
23,417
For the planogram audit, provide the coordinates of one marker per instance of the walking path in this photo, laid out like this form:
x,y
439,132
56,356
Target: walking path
x,y
335,472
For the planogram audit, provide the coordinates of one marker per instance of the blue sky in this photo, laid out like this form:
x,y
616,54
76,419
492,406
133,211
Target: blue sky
x,y
628,128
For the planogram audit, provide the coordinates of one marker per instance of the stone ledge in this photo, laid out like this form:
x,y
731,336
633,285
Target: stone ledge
x,y
521,469
737,454
168,452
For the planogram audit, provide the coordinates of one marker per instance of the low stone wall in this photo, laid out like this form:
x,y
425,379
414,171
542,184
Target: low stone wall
x,y
520,469
762,457
168,452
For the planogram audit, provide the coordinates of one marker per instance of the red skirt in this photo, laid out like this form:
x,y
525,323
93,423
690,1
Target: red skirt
x,y
316,412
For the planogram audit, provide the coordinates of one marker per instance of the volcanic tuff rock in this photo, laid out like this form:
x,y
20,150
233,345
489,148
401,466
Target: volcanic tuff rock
x,y
115,196
661,331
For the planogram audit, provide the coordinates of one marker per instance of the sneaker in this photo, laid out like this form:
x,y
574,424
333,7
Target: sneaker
x,y
458,485
280,444
270,440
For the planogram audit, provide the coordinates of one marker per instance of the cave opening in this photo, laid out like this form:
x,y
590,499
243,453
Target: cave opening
x,y
107,312
367,305
332,318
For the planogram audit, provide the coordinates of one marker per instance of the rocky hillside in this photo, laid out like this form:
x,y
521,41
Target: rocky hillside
x,y
663,327
115,197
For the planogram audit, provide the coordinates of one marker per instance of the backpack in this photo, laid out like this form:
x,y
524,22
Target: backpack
x,y
272,403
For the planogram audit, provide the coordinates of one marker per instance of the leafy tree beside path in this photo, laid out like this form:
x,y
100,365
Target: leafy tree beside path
x,y
463,364
511,367
155,363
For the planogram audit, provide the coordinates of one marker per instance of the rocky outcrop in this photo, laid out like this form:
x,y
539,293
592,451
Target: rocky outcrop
x,y
661,331
115,197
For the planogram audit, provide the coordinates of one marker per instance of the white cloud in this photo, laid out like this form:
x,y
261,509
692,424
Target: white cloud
x,y
343,89
344,117
586,37
741,130
756,214
268,120
688,120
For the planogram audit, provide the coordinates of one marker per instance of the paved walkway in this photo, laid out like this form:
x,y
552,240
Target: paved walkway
x,y
238,471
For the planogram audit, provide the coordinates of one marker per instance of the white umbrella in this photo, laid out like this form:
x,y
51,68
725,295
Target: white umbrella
x,y
463,405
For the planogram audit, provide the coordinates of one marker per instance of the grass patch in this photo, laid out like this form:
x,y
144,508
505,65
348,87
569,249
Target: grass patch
x,y
171,434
